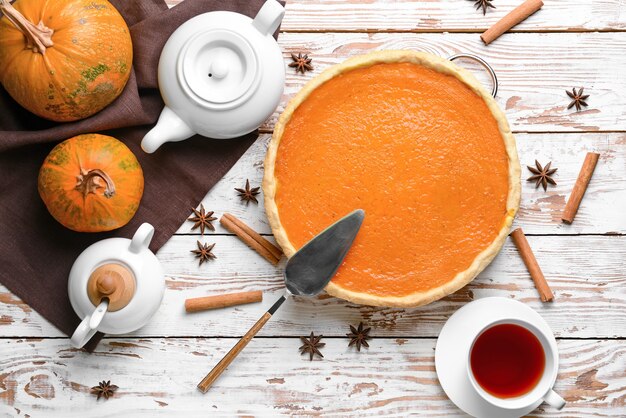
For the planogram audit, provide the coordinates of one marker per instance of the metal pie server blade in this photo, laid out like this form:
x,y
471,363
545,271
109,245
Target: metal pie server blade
x,y
311,268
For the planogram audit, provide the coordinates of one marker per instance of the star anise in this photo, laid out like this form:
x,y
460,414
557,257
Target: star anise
x,y
484,4
578,99
542,175
301,62
204,252
312,345
359,336
248,195
105,389
202,219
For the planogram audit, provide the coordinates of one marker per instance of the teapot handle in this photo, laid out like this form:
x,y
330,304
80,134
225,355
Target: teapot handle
x,y
88,327
269,17
142,238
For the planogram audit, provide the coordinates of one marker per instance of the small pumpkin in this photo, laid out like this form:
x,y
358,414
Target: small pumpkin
x,y
91,183
64,60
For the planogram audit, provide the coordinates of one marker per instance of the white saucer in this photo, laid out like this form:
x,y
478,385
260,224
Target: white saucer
x,y
455,340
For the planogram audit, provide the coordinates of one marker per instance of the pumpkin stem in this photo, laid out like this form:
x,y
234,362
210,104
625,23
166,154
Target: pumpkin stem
x,y
89,181
38,37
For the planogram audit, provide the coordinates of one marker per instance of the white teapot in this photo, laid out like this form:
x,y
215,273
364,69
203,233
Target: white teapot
x,y
116,285
221,74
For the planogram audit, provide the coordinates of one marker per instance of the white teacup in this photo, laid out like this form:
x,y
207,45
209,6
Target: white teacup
x,y
542,390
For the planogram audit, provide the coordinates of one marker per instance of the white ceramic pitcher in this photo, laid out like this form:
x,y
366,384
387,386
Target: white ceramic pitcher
x,y
116,285
221,74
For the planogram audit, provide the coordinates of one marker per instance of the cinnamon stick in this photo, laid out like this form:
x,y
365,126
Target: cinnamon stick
x,y
520,241
516,16
582,182
222,301
255,241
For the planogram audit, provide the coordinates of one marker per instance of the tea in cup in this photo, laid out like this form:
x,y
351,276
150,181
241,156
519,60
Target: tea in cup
x,y
512,365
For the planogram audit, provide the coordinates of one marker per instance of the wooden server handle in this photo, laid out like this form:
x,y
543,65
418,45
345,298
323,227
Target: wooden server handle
x,y
217,371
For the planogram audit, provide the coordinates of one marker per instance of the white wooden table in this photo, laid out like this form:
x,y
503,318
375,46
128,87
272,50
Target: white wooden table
x,y
576,43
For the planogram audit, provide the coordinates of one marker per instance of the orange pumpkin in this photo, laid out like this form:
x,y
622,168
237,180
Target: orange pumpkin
x,y
63,60
91,183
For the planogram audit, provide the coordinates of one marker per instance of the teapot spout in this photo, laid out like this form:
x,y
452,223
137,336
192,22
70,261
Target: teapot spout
x,y
169,128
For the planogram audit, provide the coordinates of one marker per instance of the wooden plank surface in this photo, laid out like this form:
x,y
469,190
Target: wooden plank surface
x,y
446,15
585,272
157,377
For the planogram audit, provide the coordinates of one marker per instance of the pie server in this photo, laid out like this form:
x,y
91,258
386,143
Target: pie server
x,y
307,273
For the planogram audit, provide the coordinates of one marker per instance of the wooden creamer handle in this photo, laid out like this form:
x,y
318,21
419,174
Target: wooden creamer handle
x,y
208,380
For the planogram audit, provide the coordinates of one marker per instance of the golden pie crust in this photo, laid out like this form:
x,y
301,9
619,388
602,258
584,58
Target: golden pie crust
x,y
270,183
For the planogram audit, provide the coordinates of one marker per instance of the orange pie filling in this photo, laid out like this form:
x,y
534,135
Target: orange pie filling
x,y
419,151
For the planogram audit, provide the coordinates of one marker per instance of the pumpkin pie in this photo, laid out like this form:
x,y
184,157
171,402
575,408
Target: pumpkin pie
x,y
416,142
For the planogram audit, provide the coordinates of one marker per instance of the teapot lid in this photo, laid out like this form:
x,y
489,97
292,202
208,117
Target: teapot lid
x,y
114,282
220,68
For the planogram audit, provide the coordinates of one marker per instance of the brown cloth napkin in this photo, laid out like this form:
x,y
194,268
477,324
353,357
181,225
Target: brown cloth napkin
x,y
36,252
